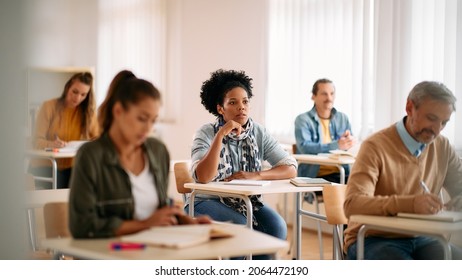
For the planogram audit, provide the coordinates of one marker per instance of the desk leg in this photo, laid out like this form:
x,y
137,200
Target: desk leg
x,y
298,226
54,173
337,242
191,203
360,242
446,247
248,204
31,226
342,174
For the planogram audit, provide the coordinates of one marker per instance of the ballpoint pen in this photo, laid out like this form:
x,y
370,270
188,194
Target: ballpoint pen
x,y
427,190
424,187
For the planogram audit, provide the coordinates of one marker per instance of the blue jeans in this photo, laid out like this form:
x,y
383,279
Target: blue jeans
x,y
269,221
417,248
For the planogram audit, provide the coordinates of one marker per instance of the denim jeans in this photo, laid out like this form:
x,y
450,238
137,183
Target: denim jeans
x,y
417,248
269,221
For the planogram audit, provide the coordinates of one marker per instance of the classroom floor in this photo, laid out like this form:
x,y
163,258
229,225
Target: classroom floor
x,y
310,246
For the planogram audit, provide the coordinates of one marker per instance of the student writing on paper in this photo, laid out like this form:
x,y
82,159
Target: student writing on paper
x,y
119,182
70,117
320,130
234,147
390,169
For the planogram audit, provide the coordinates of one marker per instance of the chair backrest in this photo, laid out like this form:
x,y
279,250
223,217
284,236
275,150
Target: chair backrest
x,y
55,215
182,176
334,197
294,149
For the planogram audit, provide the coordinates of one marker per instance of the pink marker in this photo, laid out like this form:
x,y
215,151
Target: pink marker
x,y
127,246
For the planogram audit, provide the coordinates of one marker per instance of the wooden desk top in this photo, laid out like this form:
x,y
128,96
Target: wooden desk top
x,y
416,225
43,153
323,159
245,241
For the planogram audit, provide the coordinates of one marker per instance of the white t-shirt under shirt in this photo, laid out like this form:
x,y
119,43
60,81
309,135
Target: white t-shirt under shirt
x,y
144,192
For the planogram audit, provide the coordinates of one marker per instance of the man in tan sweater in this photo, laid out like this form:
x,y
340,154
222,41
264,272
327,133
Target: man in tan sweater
x,y
390,168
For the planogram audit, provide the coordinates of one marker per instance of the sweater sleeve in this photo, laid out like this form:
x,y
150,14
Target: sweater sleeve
x,y
370,172
453,180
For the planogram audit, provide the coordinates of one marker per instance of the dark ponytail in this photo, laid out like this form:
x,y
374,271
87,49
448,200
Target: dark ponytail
x,y
125,88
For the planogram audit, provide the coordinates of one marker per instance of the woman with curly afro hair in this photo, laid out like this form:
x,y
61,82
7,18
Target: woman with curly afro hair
x,y
235,147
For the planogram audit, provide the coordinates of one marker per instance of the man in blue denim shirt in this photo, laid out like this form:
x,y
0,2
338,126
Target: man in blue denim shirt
x,y
322,129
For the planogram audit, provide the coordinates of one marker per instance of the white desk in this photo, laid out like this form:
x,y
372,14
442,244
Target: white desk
x,y
326,160
244,241
52,157
244,192
435,229
37,199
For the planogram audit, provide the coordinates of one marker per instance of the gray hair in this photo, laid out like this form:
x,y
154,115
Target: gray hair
x,y
432,90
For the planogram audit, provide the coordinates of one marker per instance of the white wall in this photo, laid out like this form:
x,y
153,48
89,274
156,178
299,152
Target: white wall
x,y
62,33
212,35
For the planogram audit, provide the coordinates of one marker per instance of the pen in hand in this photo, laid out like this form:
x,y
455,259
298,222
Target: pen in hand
x,y
427,191
424,187
58,142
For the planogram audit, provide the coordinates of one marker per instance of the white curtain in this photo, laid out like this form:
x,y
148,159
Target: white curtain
x,y
375,51
416,40
132,36
312,39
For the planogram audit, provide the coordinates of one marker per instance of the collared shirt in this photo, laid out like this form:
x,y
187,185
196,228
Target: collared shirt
x,y
308,136
414,147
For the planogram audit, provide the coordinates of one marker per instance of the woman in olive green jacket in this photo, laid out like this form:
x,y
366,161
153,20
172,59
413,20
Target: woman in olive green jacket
x,y
119,181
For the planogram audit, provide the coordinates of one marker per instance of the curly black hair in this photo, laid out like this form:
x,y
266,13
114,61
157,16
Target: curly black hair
x,y
213,91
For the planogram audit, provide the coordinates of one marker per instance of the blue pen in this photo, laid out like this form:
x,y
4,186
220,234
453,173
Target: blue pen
x,y
127,246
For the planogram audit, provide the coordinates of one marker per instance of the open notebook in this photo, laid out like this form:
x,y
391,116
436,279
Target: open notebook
x,y
443,216
180,236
